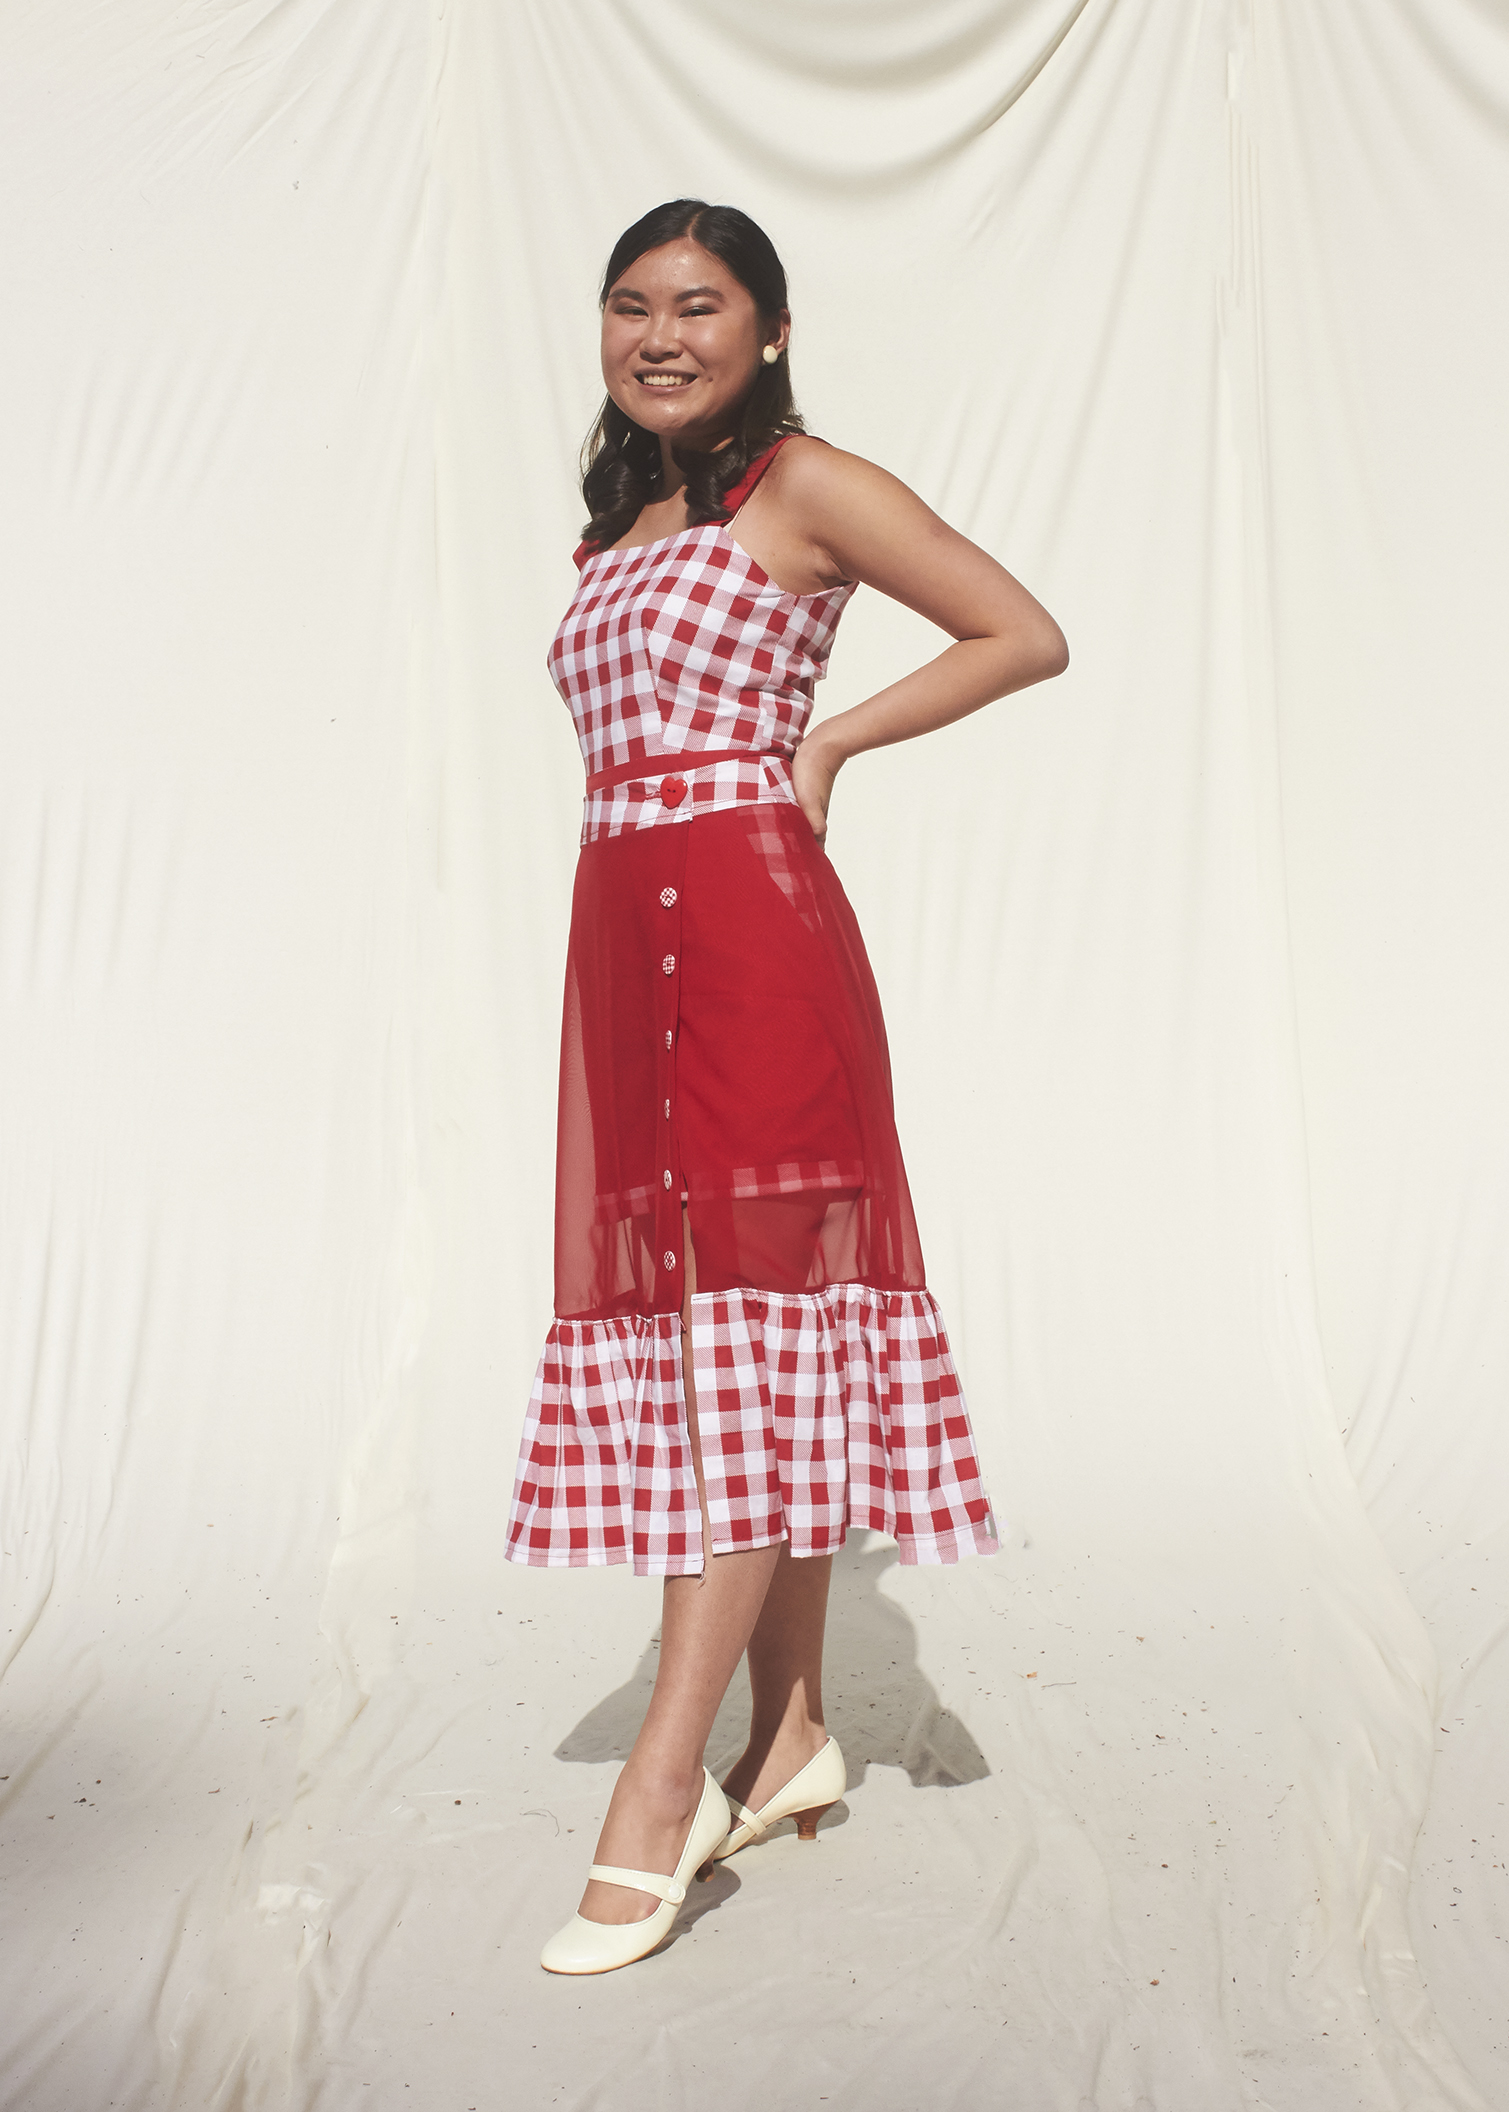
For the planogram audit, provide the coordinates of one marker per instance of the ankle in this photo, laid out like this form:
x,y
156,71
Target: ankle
x,y
793,1732
661,1791
791,1743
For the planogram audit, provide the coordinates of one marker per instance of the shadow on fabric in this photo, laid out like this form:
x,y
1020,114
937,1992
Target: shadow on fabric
x,y
881,1706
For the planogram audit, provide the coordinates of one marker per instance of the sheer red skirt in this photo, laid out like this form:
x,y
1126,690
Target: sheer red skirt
x,y
723,1053
722,1027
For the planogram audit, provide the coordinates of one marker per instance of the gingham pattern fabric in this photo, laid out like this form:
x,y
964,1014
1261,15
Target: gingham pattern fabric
x,y
710,787
796,1177
605,1470
814,1413
685,645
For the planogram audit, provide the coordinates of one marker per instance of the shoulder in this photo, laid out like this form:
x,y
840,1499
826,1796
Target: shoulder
x,y
820,483
807,467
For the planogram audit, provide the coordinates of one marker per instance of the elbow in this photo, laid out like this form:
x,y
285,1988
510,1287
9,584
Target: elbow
x,y
1030,652
1052,655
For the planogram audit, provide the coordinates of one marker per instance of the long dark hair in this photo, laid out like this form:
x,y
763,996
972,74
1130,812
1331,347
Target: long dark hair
x,y
621,460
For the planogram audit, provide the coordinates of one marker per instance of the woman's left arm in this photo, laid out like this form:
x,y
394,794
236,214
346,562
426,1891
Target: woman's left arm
x,y
863,524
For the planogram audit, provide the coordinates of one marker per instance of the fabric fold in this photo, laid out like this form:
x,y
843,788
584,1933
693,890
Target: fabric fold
x,y
815,1412
605,1469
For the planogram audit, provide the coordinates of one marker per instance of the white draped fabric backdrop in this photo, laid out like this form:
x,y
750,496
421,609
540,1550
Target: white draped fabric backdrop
x,y
1193,311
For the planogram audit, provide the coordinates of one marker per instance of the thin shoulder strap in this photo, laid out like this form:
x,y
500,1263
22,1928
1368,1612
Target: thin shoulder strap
x,y
735,496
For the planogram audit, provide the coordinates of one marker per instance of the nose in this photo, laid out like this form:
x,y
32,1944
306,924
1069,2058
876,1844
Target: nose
x,y
660,338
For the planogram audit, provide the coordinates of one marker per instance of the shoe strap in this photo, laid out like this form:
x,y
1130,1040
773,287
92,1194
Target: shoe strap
x,y
752,1819
667,1888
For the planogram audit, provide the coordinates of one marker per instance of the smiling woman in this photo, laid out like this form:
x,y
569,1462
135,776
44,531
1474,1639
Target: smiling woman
x,y
707,344
745,1359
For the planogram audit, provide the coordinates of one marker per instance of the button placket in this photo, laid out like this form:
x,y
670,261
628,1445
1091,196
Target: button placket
x,y
666,923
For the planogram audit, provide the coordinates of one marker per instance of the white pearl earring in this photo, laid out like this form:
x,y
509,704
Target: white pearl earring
x,y
770,355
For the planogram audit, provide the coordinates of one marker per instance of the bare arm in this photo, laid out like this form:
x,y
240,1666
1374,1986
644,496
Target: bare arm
x,y
858,522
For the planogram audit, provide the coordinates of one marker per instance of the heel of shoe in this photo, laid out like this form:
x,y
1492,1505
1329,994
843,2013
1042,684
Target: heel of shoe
x,y
806,1821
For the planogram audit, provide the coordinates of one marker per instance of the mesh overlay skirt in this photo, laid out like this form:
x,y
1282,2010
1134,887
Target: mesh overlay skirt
x,y
723,1054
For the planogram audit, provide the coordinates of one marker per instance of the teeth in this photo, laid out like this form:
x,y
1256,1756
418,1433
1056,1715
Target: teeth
x,y
665,381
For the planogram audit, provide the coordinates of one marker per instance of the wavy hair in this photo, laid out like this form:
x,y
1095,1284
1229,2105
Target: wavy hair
x,y
621,460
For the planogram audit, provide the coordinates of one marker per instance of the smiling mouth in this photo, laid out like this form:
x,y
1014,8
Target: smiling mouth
x,y
664,381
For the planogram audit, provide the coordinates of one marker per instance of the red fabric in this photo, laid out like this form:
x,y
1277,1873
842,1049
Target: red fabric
x,y
670,790
722,1047
736,494
733,937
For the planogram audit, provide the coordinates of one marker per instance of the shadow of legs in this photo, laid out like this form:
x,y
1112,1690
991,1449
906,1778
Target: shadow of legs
x,y
881,1706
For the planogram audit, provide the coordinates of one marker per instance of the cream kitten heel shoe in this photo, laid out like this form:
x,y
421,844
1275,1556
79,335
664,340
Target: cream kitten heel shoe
x,y
805,1798
601,1947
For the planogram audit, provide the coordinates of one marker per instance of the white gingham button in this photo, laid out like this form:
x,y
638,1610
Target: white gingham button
x,y
669,1258
669,965
668,1110
667,1176
667,1037
667,897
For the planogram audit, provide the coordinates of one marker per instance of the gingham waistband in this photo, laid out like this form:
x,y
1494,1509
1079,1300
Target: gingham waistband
x,y
680,766
639,796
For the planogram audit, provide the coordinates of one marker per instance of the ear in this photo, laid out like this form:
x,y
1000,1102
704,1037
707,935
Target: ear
x,y
779,335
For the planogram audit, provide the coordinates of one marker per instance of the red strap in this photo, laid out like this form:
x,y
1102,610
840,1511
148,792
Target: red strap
x,y
732,500
674,765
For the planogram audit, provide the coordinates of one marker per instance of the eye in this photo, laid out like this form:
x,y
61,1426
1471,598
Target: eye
x,y
698,311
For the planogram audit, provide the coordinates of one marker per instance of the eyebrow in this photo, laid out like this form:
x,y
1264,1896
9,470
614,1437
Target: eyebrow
x,y
687,293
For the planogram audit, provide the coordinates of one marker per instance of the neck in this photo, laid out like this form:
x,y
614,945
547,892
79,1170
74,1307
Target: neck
x,y
672,478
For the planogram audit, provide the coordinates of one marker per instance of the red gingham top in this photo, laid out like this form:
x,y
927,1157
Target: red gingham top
x,y
685,645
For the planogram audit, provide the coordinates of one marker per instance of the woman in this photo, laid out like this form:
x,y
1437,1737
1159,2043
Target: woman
x,y
745,1357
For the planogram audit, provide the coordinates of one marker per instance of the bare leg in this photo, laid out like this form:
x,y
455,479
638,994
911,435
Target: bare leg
x,y
786,1680
706,1624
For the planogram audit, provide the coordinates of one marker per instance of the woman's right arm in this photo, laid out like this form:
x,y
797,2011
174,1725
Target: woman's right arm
x,y
864,524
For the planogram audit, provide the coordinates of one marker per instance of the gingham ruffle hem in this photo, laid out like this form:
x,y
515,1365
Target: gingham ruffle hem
x,y
815,1413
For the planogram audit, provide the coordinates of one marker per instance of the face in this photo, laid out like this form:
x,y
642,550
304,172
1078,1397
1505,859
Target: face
x,y
682,343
